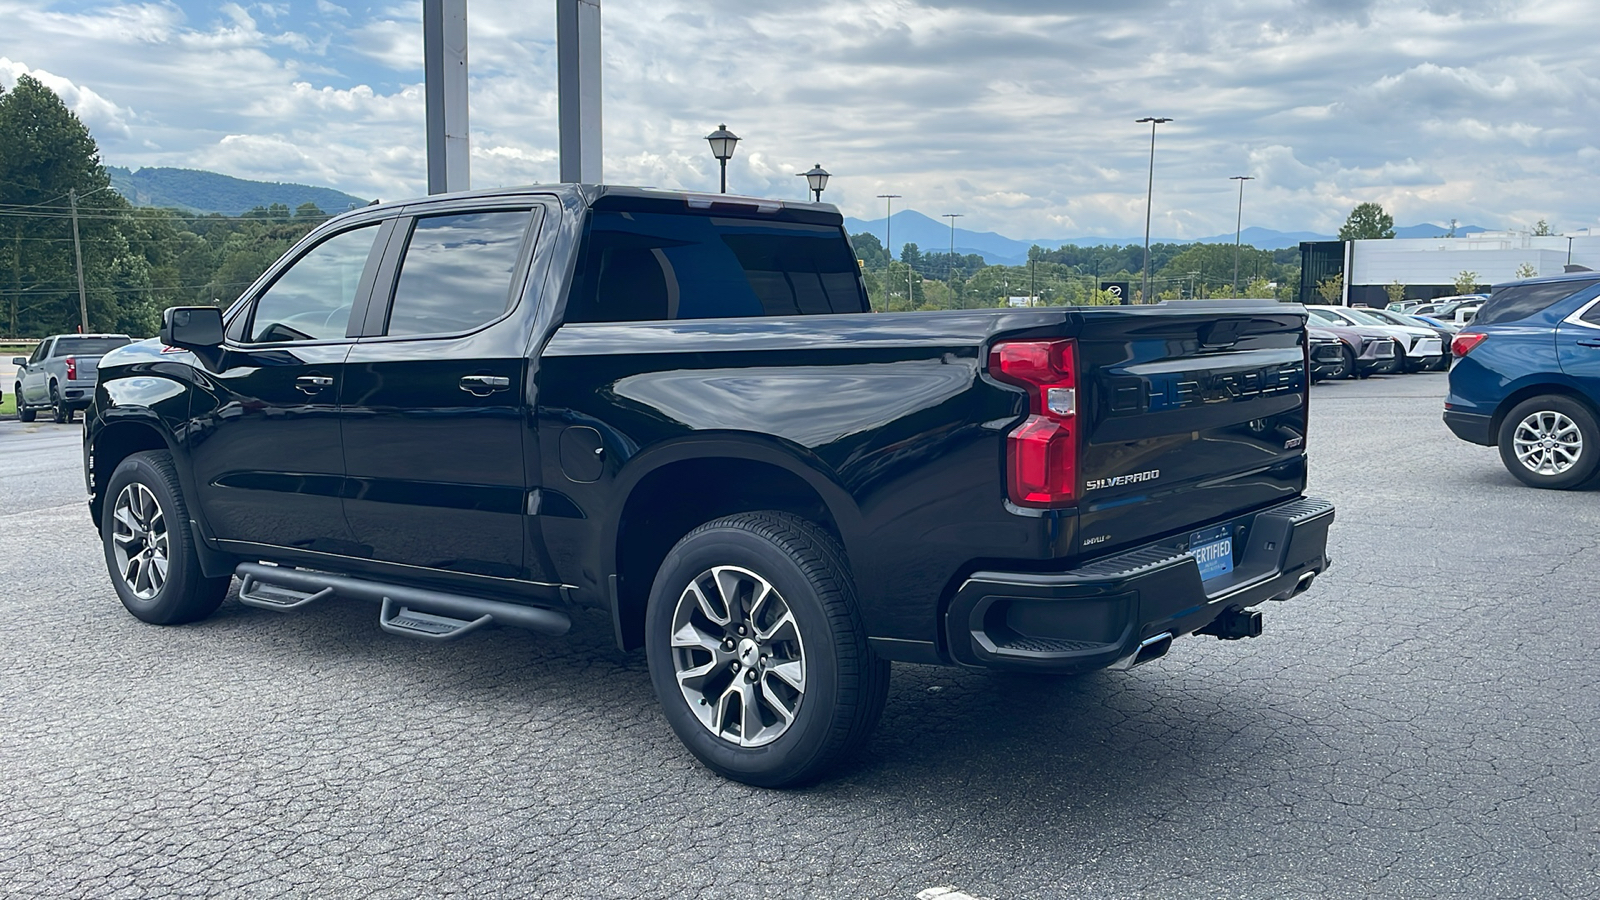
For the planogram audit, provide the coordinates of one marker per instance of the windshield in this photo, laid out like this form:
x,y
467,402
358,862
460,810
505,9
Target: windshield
x,y
1322,315
95,346
1364,317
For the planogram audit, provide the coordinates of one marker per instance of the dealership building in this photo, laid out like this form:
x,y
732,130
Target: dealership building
x,y
1428,267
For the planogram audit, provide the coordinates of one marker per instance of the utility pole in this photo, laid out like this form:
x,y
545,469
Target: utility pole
x,y
77,251
952,217
888,224
1238,228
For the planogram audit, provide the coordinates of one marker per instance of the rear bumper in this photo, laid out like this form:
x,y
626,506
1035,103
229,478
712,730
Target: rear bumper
x,y
1102,613
1471,427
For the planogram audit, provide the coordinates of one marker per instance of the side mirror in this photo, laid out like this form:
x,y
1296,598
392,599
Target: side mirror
x,y
19,360
191,327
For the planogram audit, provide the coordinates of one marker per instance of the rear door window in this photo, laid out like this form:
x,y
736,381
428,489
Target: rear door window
x,y
458,271
651,266
1520,301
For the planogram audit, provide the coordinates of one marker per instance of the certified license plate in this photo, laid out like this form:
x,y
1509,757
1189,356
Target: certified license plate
x,y
1213,550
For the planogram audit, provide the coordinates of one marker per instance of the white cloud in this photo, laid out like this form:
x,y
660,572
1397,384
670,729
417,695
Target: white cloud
x,y
1018,113
99,114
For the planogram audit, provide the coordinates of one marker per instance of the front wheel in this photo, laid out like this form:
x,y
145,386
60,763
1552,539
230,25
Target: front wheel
x,y
149,548
1347,365
23,412
757,651
1550,442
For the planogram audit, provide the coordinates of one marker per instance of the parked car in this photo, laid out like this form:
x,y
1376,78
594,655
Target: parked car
x,y
1440,331
675,409
1527,379
1444,307
60,375
1362,352
1421,347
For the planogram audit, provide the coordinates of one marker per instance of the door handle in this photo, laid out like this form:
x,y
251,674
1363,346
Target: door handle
x,y
484,385
1589,343
313,384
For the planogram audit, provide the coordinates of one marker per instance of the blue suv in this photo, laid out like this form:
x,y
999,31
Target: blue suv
x,y
1527,379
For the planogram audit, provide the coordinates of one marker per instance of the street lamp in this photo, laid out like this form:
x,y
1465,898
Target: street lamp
x,y
888,222
952,217
1150,189
816,179
722,142
1238,228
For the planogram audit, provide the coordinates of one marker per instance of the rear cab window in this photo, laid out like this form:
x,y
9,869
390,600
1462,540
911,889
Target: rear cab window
x,y
653,266
89,346
1519,301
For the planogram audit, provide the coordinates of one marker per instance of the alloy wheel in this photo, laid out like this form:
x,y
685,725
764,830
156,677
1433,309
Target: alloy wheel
x,y
139,540
738,655
1547,442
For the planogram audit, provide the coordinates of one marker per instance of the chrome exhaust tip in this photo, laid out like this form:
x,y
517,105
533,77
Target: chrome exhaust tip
x,y
1149,649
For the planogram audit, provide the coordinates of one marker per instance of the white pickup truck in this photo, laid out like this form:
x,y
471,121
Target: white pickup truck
x,y
60,375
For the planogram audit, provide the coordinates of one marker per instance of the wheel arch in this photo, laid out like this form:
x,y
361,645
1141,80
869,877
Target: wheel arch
x,y
1539,389
117,440
682,486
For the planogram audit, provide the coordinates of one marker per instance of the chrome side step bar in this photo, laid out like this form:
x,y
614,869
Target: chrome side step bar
x,y
409,611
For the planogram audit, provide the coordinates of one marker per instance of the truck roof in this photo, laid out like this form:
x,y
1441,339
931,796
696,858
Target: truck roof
x,y
612,195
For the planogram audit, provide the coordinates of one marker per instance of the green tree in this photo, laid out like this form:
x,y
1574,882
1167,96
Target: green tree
x,y
1331,289
1526,270
46,154
1367,222
1466,282
1396,291
869,250
1541,228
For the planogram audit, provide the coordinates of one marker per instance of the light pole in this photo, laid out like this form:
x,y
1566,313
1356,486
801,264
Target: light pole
x,y
888,224
1238,228
952,217
1150,189
816,180
722,142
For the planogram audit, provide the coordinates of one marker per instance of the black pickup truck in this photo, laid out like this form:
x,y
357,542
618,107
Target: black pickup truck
x,y
499,407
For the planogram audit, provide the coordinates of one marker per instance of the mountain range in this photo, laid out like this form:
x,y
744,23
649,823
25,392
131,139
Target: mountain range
x,y
211,192
200,191
931,235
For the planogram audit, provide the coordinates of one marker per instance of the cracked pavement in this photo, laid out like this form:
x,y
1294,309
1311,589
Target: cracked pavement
x,y
1421,723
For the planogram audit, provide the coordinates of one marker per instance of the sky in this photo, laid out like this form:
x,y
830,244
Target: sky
x,y
1018,114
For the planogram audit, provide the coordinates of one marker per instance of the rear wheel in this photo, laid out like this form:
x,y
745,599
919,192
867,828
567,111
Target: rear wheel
x,y
149,548
58,407
1550,442
757,652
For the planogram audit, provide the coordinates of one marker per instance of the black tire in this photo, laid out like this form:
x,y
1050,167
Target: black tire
x,y
24,413
185,594
845,684
1347,365
1545,471
59,410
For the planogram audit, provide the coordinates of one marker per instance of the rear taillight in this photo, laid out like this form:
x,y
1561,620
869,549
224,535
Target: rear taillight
x,y
1462,344
1042,452
72,369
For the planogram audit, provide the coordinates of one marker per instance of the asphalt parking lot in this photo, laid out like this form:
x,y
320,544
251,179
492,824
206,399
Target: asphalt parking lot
x,y
1422,723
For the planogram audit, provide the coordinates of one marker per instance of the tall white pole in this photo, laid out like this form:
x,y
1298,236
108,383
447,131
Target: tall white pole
x,y
444,67
578,77
77,251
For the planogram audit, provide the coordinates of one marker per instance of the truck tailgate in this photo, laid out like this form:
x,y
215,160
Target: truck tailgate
x,y
1191,412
